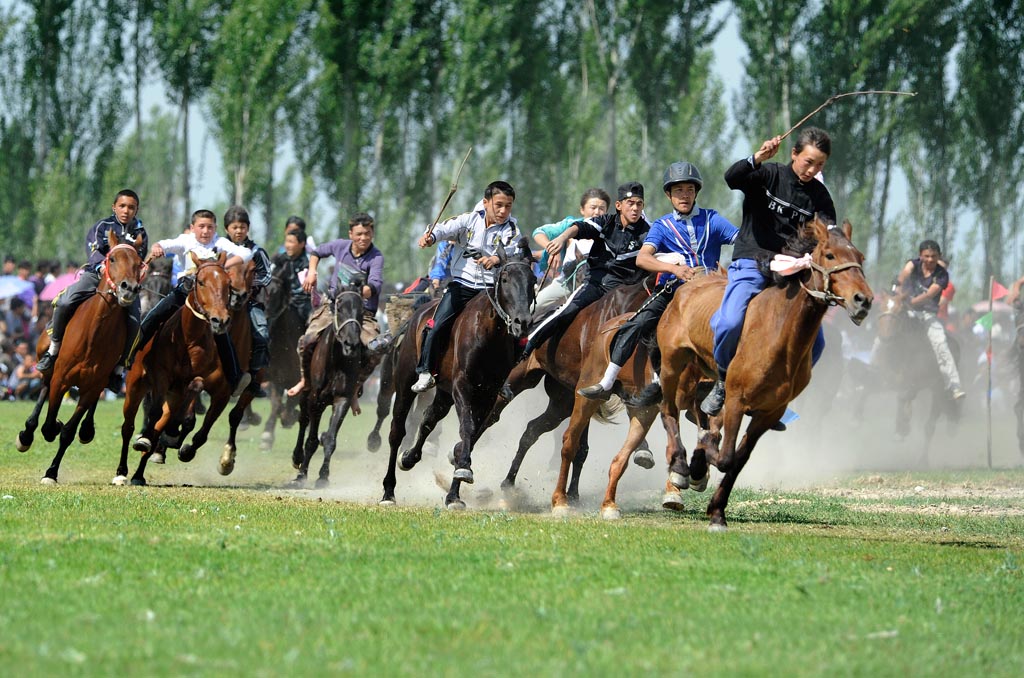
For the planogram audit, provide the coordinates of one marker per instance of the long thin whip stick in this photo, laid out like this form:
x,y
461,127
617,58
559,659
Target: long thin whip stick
x,y
835,97
451,192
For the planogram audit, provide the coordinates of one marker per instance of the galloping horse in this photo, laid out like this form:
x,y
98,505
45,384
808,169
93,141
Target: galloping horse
x,y
339,365
176,364
475,363
285,327
92,347
773,364
905,363
157,283
558,362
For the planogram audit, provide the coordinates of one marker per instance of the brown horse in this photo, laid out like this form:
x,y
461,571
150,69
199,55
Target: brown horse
x,y
773,363
476,361
285,326
176,364
92,347
558,361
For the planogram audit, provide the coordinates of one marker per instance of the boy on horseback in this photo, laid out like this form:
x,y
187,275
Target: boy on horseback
x,y
124,224
692,237
295,255
476,235
777,201
617,239
923,280
236,223
358,252
202,239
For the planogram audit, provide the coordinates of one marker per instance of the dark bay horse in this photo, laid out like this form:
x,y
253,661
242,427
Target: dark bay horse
x,y
557,362
286,326
905,363
175,364
157,283
773,363
95,336
339,365
479,355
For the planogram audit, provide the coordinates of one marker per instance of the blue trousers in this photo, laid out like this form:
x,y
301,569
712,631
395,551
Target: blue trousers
x,y
745,281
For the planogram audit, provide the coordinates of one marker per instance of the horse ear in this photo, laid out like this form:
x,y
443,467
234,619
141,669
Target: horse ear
x,y
195,258
848,229
524,249
502,257
112,239
222,258
819,228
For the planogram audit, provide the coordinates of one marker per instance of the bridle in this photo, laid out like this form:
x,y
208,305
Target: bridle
x,y
825,295
198,309
334,311
497,284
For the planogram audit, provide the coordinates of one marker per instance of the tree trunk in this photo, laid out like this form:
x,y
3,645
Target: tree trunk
x,y
186,188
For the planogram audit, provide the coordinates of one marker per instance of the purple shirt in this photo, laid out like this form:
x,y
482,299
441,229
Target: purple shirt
x,y
371,262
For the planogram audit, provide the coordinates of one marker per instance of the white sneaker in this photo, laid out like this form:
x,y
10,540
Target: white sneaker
x,y
424,383
958,394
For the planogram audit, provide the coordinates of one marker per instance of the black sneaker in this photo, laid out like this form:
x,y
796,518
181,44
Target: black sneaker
x,y
595,392
115,382
712,405
45,363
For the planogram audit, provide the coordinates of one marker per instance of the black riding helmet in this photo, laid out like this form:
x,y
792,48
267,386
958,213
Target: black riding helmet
x,y
682,173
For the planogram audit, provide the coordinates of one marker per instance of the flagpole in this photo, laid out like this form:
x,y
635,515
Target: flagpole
x,y
988,353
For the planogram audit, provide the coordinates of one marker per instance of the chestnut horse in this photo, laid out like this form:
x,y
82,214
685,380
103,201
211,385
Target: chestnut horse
x,y
476,361
94,339
773,363
176,364
337,369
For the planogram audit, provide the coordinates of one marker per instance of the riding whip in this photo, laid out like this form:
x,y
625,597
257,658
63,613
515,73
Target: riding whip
x,y
835,97
451,192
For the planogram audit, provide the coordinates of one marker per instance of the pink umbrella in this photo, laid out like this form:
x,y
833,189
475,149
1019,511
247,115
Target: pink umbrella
x,y
54,288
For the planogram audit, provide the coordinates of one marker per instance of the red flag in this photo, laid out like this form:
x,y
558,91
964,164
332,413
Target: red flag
x,y
998,291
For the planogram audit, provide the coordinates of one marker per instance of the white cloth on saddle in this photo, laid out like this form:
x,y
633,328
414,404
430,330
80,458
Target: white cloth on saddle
x,y
674,258
783,264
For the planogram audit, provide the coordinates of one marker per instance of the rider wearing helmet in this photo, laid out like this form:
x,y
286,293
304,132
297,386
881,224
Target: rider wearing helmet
x,y
685,242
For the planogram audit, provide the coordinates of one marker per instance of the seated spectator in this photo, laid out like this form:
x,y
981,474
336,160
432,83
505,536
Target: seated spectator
x,y
26,381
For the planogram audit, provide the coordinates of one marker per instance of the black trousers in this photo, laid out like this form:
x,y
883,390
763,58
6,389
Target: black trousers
x,y
642,324
560,321
455,298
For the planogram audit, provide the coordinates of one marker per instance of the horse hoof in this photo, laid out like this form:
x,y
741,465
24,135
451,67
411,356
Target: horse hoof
x,y
387,502
226,469
463,474
373,441
406,462
456,505
699,485
643,459
139,482
611,513
717,527
157,458
267,438
679,480
321,483
22,446
297,484
561,511
673,501
47,480
186,454
119,480
142,444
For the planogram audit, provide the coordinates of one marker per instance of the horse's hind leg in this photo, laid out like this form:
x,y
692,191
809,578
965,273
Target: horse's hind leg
x,y
267,438
435,412
558,410
384,396
578,460
27,435
217,405
329,440
315,411
639,424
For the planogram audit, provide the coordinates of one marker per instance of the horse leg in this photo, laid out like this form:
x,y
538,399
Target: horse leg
x,y
675,454
51,427
132,399
558,409
67,436
227,456
316,412
580,458
329,439
438,409
300,438
582,410
639,424
385,393
757,428
267,438
732,417
87,430
473,430
217,405
27,435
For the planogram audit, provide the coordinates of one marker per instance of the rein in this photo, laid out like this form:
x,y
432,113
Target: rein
x,y
825,295
346,321
198,309
494,299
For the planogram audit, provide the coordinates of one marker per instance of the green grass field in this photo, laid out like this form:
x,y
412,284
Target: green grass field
x,y
892,574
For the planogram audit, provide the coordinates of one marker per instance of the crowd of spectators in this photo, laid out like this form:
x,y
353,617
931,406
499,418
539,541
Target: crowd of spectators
x,y
23,318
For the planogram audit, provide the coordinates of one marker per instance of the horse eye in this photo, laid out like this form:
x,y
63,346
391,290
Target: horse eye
x,y
829,256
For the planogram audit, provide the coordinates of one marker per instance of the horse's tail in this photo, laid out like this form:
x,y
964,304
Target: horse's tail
x,y
606,413
649,395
